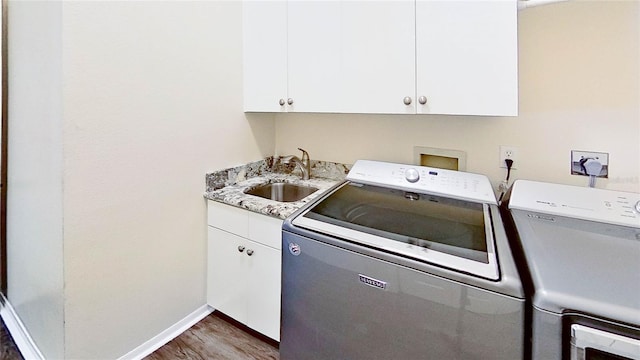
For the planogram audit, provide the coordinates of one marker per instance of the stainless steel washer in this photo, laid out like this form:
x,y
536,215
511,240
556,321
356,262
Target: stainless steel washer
x,y
401,262
581,249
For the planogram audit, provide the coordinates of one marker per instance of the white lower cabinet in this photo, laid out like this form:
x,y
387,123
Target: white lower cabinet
x,y
244,267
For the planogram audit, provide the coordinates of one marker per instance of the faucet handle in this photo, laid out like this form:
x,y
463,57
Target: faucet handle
x,y
305,156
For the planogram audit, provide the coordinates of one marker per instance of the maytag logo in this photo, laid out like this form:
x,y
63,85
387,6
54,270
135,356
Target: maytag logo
x,y
372,282
541,217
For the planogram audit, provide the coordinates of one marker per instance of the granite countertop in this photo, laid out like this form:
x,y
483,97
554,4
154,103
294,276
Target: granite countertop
x,y
228,185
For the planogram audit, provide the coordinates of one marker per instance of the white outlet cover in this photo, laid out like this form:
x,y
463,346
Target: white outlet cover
x,y
577,155
502,157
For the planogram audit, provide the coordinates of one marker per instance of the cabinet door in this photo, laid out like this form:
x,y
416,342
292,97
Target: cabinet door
x,y
378,56
227,271
314,55
467,57
263,291
264,55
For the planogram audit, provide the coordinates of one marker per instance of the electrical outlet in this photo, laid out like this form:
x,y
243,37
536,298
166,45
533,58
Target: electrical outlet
x,y
508,152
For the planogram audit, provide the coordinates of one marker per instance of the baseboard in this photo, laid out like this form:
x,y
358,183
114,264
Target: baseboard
x,y
169,334
19,333
30,351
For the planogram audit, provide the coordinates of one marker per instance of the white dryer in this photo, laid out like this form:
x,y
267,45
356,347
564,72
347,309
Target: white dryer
x,y
581,249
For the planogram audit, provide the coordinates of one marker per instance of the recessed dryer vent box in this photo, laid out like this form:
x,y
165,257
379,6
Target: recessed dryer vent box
x,y
579,157
440,158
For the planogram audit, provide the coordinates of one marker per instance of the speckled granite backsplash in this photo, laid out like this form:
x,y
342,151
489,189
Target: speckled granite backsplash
x,y
322,169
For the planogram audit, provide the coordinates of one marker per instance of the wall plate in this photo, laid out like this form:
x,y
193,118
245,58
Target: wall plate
x,y
577,156
440,158
508,152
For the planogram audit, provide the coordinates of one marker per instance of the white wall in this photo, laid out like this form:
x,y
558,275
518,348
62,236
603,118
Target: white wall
x,y
34,200
153,100
579,90
151,94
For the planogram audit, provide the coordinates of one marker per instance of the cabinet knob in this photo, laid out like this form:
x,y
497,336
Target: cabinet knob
x,y
290,101
281,102
249,252
407,100
240,248
422,100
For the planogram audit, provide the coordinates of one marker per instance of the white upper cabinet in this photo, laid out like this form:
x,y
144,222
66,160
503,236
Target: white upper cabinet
x,y
378,56
383,57
314,34
265,55
291,55
467,57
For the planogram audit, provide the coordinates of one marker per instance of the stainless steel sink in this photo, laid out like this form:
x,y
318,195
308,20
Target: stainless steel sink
x,y
283,192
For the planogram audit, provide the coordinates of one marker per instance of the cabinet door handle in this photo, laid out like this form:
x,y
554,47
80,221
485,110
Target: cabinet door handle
x,y
290,101
281,102
240,248
422,100
249,252
407,100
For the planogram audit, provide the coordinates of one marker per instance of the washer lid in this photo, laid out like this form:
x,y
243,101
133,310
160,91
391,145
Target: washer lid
x,y
451,233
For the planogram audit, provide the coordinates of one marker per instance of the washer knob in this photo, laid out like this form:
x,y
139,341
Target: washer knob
x,y
412,175
638,207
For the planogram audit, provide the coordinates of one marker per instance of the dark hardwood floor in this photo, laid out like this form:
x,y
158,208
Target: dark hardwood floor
x,y
8,349
218,337
215,337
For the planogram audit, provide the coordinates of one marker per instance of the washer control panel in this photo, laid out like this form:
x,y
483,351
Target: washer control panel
x,y
608,206
425,180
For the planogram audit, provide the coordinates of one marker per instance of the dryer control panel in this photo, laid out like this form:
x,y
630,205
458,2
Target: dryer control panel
x,y
607,206
425,180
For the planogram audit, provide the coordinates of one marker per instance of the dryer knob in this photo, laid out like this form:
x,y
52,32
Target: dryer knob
x,y
638,207
412,175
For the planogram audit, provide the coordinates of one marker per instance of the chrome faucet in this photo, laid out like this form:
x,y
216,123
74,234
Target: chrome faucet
x,y
305,163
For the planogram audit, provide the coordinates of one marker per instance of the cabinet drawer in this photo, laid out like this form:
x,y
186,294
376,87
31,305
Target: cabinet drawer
x,y
265,230
228,218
